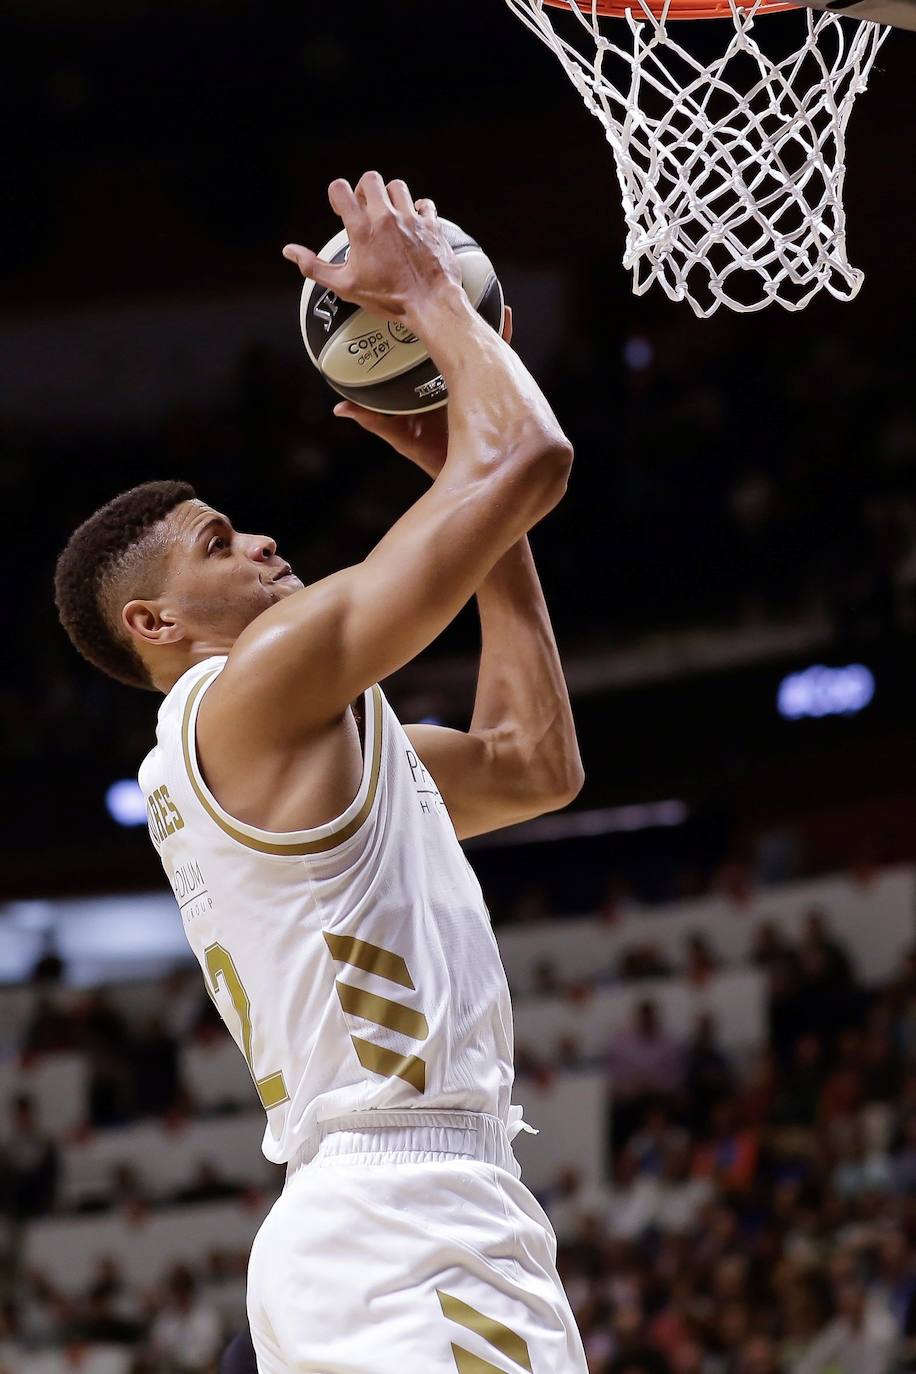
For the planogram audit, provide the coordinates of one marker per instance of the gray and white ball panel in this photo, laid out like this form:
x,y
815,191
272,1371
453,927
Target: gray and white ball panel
x,y
368,348
362,355
328,311
901,14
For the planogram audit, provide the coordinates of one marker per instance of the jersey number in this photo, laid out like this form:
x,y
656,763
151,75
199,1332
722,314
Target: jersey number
x,y
272,1088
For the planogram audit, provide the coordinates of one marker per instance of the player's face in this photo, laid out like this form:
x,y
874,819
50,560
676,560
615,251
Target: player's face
x,y
221,580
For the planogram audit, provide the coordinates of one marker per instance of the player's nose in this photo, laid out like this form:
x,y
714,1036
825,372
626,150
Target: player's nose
x,y
261,548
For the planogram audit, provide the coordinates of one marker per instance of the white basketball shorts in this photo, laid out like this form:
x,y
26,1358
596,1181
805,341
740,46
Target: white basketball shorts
x,y
409,1247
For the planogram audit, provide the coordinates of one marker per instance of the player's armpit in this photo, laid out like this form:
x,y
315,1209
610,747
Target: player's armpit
x,y
489,780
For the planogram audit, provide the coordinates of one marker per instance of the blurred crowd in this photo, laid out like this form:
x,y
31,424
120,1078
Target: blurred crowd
x,y
760,1217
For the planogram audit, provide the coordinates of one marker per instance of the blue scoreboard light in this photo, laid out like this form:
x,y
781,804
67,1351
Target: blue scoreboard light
x,y
819,691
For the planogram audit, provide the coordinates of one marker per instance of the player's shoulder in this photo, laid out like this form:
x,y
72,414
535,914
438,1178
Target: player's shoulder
x,y
184,693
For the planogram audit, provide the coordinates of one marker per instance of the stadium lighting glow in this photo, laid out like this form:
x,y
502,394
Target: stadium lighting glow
x,y
607,820
125,802
819,691
638,353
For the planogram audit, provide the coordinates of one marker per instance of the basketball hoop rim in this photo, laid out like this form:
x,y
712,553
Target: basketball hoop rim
x,y
677,9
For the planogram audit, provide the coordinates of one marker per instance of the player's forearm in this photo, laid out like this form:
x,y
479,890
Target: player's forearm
x,y
522,698
501,428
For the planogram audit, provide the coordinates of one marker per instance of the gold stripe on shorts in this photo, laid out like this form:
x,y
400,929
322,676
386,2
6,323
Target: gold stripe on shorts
x,y
503,1338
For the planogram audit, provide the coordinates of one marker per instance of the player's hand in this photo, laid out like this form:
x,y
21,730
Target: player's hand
x,y
421,438
398,257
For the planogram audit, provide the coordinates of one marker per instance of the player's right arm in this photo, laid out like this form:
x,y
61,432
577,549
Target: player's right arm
x,y
296,668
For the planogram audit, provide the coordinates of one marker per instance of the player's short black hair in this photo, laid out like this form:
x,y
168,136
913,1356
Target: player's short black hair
x,y
111,542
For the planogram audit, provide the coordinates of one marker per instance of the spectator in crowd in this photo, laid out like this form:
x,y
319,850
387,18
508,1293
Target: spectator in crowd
x,y
708,1073
49,968
106,1042
728,1152
642,960
10,1349
827,990
858,1340
570,1201
683,1193
903,1164
99,1323
546,978
207,1185
30,1163
645,1063
633,1353
770,948
187,1334
531,906
858,1170
816,936
51,1028
635,1200
655,1138
801,1089
702,963
155,1070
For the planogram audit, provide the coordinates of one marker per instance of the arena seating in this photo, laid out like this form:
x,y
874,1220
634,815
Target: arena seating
x,y
873,919
145,1244
165,1158
190,1185
56,1083
73,1359
736,999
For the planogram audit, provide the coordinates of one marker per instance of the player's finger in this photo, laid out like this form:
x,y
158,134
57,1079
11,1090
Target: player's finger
x,y
507,324
371,192
400,196
313,267
426,208
385,426
343,200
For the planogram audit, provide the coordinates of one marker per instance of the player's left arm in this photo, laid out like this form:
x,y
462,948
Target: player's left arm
x,y
520,756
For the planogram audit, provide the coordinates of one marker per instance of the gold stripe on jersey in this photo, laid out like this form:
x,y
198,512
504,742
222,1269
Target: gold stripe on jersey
x,y
389,1064
467,1363
394,1015
346,949
507,1341
289,848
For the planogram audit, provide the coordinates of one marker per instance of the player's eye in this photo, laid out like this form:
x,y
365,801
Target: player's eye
x,y
217,544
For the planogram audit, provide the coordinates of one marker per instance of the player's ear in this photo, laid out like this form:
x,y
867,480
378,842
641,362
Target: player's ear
x,y
151,623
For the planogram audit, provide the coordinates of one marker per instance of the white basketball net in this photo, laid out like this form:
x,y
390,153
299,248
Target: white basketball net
x,y
732,170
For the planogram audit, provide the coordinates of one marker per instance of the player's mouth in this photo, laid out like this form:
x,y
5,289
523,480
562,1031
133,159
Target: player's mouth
x,y
285,572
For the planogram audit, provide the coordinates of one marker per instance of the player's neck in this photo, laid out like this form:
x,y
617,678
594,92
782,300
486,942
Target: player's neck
x,y
175,661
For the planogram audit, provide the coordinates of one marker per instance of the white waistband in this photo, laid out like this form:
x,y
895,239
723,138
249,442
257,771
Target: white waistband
x,y
401,1136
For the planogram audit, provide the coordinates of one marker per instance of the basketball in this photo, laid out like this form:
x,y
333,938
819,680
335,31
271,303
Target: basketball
x,y
379,363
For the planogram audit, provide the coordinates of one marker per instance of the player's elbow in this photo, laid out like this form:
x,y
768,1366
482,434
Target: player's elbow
x,y
568,784
556,783
549,459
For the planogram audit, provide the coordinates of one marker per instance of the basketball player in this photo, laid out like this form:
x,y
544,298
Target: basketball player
x,y
313,842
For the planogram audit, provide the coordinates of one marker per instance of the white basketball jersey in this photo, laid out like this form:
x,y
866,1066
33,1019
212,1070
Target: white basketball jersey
x,y
354,963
